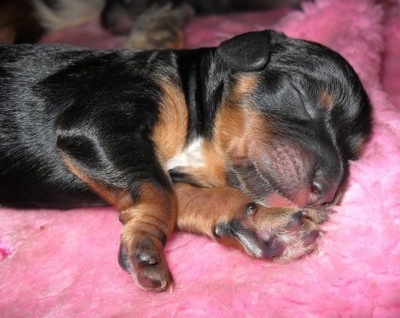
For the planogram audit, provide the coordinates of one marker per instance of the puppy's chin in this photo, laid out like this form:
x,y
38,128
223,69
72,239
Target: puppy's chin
x,y
318,214
277,200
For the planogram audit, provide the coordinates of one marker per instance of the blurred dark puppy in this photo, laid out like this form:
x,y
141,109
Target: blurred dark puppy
x,y
149,23
248,149
159,23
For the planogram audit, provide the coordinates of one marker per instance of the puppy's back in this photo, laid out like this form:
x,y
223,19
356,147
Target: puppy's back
x,y
31,171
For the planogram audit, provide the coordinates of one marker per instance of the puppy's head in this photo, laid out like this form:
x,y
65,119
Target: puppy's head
x,y
293,114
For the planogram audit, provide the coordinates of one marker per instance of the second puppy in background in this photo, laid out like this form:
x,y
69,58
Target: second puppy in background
x,y
149,23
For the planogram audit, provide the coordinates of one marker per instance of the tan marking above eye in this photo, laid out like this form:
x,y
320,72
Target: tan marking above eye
x,y
326,100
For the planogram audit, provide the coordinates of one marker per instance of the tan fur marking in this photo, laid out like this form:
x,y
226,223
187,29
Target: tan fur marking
x,y
200,209
7,34
116,197
245,85
230,129
148,222
215,162
213,172
151,39
238,125
221,205
160,27
147,225
326,100
169,133
156,208
178,43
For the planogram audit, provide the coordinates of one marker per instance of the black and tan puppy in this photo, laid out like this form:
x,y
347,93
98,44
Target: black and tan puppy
x,y
159,23
149,23
247,143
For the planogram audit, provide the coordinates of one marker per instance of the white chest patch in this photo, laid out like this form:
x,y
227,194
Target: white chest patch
x,y
191,156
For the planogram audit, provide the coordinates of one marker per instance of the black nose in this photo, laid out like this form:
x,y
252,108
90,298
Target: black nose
x,y
322,191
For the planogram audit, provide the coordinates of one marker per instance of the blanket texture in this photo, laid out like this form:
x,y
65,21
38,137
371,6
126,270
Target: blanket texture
x,y
63,264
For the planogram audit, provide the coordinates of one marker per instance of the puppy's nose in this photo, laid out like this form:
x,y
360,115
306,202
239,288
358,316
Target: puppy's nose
x,y
322,191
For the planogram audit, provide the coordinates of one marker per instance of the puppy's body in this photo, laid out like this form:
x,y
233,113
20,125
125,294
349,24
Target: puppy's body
x,y
27,134
278,123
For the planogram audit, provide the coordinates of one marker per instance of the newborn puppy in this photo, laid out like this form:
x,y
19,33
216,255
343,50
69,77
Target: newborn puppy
x,y
248,143
149,23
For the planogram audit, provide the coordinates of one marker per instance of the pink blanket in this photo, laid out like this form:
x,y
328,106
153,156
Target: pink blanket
x,y
63,264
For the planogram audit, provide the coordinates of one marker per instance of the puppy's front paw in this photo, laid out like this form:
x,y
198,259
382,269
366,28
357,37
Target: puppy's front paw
x,y
160,27
273,233
145,260
169,38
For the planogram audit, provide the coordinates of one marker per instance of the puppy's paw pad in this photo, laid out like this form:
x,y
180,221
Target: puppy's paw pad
x,y
154,278
221,230
145,260
310,237
271,233
272,248
150,283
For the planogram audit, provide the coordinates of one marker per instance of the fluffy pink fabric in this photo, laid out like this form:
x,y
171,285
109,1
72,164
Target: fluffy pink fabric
x,y
59,264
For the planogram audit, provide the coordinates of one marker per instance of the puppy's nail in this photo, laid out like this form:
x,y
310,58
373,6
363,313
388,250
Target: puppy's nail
x,y
296,220
151,283
272,248
310,237
251,209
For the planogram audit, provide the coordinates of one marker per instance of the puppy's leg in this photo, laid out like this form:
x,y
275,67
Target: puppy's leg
x,y
147,223
231,218
160,27
137,186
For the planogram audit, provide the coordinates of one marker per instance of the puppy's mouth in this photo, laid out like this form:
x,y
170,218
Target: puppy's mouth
x,y
248,179
263,189
278,197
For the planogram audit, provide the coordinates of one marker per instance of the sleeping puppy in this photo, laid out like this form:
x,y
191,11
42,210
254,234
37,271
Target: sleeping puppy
x,y
159,23
248,143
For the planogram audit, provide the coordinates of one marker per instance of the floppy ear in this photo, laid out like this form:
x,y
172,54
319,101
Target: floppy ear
x,y
247,51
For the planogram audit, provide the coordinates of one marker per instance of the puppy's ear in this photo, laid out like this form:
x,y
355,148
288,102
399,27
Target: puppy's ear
x,y
248,51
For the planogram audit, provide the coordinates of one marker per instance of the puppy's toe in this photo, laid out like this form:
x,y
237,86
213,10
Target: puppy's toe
x,y
123,258
146,262
271,233
272,247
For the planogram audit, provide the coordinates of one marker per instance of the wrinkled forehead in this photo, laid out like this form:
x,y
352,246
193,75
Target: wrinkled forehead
x,y
283,95
298,89
310,63
317,102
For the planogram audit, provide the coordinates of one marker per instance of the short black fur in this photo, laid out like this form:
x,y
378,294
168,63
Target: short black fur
x,y
100,107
